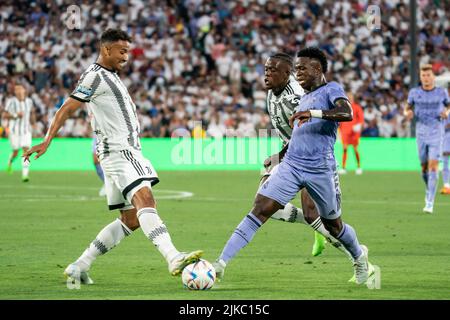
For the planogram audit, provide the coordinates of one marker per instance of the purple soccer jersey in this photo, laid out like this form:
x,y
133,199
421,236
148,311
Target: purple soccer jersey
x,y
309,162
312,144
428,106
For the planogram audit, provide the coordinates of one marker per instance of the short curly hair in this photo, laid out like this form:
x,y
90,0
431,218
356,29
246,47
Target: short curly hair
x,y
113,35
315,53
284,57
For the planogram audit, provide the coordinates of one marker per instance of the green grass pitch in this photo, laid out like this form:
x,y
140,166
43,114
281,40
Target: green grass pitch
x,y
48,222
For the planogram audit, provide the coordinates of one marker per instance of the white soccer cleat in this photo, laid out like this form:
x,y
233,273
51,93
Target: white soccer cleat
x,y
359,171
74,273
342,171
102,192
183,259
428,208
219,265
361,266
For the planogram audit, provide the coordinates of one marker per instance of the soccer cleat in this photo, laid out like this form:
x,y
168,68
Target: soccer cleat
x,y
428,208
25,179
361,266
219,265
342,171
319,244
74,273
359,171
183,259
445,190
371,272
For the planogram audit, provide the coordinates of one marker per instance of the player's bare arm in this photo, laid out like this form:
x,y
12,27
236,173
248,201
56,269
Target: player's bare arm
x,y
342,112
445,113
66,111
408,112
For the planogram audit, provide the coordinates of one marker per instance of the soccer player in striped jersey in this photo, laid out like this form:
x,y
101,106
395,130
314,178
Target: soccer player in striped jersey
x,y
19,112
129,176
430,105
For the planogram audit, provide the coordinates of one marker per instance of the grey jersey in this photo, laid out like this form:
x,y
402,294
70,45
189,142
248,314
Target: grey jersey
x,y
19,126
114,118
282,107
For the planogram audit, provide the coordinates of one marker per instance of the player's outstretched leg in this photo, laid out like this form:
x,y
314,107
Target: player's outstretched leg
x,y
155,230
360,254
433,178
263,208
446,175
109,237
358,160
25,168
11,159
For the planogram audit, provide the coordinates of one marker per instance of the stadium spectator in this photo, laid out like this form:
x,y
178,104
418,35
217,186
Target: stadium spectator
x,y
202,60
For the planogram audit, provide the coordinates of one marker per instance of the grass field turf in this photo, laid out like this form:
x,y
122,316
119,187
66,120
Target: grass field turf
x,y
49,221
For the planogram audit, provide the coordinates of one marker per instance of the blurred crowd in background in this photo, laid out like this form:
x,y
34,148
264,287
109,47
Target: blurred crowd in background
x,y
198,61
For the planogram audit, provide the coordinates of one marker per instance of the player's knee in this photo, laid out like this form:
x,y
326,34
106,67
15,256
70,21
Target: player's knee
x,y
130,220
334,227
263,208
143,198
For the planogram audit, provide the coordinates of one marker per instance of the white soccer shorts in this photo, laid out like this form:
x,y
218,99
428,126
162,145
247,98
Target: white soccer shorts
x,y
126,172
20,141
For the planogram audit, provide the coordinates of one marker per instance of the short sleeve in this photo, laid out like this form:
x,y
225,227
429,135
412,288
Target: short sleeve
x,y
335,92
9,107
411,97
87,86
446,98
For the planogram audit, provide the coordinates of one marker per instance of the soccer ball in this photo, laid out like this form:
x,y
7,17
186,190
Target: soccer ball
x,y
199,275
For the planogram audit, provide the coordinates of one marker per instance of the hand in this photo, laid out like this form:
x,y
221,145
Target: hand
x,y
444,114
19,114
39,149
301,116
409,114
272,160
357,128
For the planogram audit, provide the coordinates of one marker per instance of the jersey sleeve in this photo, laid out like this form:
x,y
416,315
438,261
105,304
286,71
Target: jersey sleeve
x,y
335,92
446,98
8,106
411,98
86,88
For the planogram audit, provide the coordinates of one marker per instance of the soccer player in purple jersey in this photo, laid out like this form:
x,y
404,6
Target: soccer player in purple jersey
x,y
429,105
309,163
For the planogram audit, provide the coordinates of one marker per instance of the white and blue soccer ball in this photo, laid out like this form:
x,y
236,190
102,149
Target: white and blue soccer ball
x,y
199,275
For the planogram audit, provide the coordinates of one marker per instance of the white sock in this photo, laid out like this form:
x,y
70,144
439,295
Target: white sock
x,y
109,237
290,213
155,230
318,226
25,167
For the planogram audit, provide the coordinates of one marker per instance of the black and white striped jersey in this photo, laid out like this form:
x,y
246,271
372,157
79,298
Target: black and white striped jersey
x,y
114,117
19,126
282,107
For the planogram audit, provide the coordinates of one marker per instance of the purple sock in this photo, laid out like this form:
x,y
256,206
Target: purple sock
x,y
349,240
241,236
433,177
445,171
99,170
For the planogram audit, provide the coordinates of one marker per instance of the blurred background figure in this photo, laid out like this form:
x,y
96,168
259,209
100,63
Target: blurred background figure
x,y
350,134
